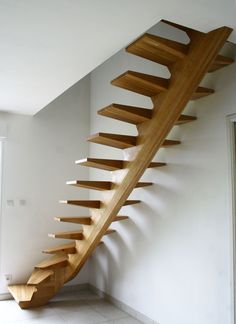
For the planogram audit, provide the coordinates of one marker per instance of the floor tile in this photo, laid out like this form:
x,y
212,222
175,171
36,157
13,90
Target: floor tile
x,y
10,311
81,307
45,320
126,320
109,311
84,315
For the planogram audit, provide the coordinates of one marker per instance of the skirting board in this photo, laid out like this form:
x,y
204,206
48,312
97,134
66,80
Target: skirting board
x,y
129,310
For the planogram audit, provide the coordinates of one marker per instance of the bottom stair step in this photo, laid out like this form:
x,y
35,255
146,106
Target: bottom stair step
x,y
57,261
22,293
39,276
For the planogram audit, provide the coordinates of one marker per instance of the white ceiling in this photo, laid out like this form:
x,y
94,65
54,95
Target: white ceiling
x,y
48,45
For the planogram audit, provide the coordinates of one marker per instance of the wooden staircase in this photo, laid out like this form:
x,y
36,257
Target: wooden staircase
x,y
187,65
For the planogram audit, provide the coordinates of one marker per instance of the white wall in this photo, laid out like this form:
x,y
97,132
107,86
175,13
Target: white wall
x,y
171,261
38,158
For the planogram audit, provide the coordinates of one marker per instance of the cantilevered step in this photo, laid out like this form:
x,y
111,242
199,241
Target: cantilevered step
x,y
145,84
65,248
83,203
22,293
72,235
121,141
202,92
135,115
111,165
57,261
166,52
149,85
110,231
131,202
97,203
84,220
39,276
101,185
220,62
158,49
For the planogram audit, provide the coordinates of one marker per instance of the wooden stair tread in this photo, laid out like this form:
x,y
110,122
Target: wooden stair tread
x,y
113,140
84,220
57,261
129,114
96,185
135,115
110,231
83,203
166,52
144,84
39,276
70,235
22,292
120,218
158,49
220,62
101,185
65,248
149,85
131,202
121,141
202,92
111,165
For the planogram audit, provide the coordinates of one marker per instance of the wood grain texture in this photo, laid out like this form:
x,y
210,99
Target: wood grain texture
x,y
57,261
22,292
111,165
158,49
122,141
83,203
144,84
70,235
101,185
186,75
135,115
96,185
220,62
168,106
65,248
39,276
83,220
150,86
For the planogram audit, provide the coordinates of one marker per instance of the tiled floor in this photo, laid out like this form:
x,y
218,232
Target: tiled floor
x,y
81,307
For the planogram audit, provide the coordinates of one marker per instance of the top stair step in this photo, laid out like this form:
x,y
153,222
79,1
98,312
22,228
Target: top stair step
x,y
111,165
166,52
158,49
149,85
135,115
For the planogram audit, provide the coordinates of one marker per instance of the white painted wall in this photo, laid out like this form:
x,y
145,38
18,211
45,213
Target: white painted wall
x,y
172,260
38,158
